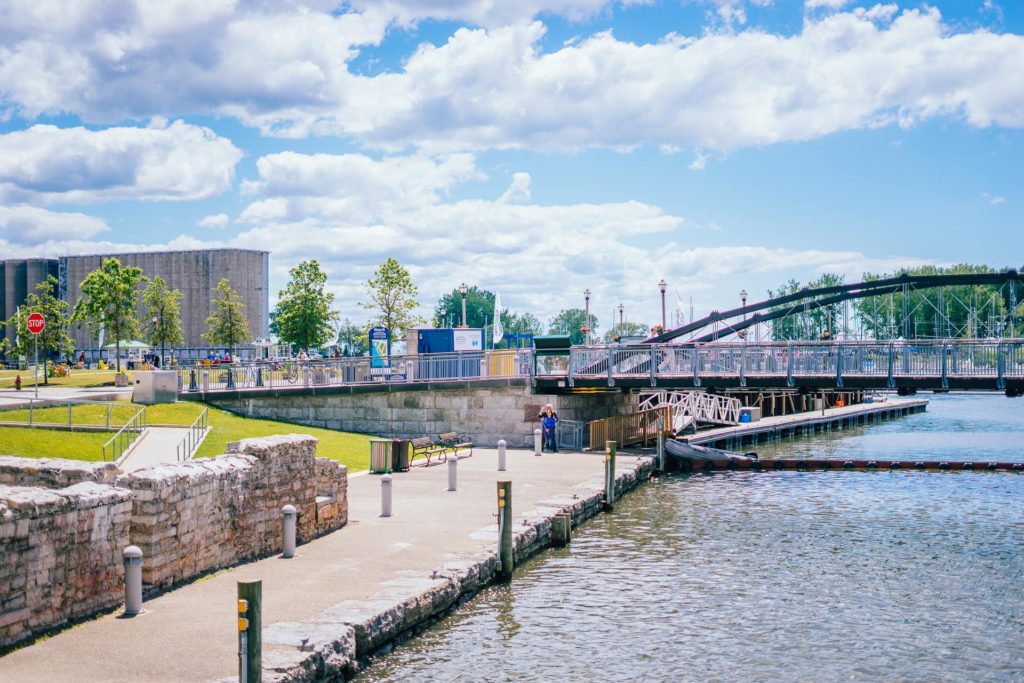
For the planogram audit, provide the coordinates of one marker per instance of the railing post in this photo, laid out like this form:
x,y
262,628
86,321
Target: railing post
x,y
611,379
69,414
206,380
31,409
891,382
743,365
696,365
1000,367
569,372
839,366
945,369
654,366
789,364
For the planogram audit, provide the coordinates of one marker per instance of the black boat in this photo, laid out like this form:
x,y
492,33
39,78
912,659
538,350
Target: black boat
x,y
686,451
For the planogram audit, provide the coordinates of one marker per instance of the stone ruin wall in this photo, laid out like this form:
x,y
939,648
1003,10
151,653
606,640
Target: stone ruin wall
x,y
64,524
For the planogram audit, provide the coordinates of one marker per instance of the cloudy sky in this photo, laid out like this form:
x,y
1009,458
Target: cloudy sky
x,y
532,147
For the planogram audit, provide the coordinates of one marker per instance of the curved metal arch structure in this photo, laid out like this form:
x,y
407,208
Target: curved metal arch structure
x,y
807,299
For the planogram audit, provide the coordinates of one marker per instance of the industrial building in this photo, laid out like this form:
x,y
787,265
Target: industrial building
x,y
194,272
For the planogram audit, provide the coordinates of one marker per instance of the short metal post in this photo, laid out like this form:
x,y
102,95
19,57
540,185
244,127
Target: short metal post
x,y
501,455
192,385
230,384
453,472
69,413
483,367
290,517
505,558
385,496
259,377
250,627
132,556
206,381
536,442
609,474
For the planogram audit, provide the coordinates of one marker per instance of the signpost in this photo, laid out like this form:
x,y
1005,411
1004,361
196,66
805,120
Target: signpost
x,y
36,323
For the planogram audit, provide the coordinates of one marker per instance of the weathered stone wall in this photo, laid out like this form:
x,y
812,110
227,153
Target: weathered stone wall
x,y
60,555
194,516
54,473
60,546
484,414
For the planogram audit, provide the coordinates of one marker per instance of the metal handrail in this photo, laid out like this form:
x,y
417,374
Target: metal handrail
x,y
126,436
195,434
35,404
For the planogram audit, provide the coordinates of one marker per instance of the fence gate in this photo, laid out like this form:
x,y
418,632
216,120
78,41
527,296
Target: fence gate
x,y
569,434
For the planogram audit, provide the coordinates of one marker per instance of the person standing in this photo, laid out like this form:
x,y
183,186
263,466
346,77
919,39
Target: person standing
x,y
548,421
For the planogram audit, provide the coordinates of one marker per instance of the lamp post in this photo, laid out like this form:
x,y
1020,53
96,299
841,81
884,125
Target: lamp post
x,y
743,304
621,317
462,290
662,286
586,318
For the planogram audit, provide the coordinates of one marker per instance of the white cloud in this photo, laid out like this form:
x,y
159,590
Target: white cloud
x,y
539,256
45,164
29,225
827,4
518,190
285,69
700,160
491,13
993,199
217,221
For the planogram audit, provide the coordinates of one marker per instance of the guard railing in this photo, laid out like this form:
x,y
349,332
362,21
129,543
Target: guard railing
x,y
125,437
195,434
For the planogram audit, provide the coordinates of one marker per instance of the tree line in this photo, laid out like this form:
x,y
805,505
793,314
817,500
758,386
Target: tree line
x,y
958,311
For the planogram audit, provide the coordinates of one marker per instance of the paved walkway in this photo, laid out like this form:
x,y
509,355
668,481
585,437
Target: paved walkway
x,y
189,634
158,447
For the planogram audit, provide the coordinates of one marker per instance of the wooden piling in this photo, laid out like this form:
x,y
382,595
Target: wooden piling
x,y
250,659
505,529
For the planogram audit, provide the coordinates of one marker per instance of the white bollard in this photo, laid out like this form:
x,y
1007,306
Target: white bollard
x,y
453,472
385,496
132,556
536,442
501,455
290,518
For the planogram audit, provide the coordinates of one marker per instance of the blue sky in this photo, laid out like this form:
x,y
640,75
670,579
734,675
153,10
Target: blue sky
x,y
536,148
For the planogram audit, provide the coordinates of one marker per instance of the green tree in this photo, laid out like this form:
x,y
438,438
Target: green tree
x,y
163,313
570,321
521,323
807,321
109,294
304,315
227,323
54,338
352,340
626,329
392,298
479,308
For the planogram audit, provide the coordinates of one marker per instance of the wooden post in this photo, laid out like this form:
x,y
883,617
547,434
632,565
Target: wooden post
x,y
609,475
250,644
505,559
561,529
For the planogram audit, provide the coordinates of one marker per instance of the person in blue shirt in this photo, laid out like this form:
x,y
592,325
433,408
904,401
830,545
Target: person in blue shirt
x,y
548,420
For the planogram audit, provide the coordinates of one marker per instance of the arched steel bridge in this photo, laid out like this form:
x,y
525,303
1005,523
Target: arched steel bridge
x,y
807,299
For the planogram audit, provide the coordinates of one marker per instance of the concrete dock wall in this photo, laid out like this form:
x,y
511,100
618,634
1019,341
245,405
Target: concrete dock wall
x,y
484,414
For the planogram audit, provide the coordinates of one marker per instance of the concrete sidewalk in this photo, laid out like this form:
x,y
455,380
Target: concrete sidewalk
x,y
189,634
158,447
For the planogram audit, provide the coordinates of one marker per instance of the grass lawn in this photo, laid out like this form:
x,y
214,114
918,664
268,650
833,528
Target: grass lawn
x,y
350,449
77,378
50,443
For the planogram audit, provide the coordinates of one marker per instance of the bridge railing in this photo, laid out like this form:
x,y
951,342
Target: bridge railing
x,y
997,358
434,367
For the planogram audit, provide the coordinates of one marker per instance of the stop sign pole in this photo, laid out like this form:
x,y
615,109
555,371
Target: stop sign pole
x,y
36,323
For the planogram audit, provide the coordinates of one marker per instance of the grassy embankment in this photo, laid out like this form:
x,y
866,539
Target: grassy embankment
x,y
351,449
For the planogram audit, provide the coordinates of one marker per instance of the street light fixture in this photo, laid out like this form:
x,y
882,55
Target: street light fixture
x,y
621,309
462,290
586,319
743,302
662,286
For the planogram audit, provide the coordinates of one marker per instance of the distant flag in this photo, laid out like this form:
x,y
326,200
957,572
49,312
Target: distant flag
x,y
499,331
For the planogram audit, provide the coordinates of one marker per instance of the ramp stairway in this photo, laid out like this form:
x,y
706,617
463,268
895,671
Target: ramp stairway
x,y
692,408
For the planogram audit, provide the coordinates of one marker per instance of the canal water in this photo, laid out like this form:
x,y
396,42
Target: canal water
x,y
791,576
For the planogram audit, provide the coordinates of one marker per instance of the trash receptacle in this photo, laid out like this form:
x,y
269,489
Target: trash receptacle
x,y
380,455
400,455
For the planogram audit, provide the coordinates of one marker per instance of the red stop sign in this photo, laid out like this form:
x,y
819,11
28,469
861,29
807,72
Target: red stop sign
x,y
36,323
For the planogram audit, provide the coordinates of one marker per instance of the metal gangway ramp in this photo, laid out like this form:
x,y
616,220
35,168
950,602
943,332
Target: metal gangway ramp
x,y
691,408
